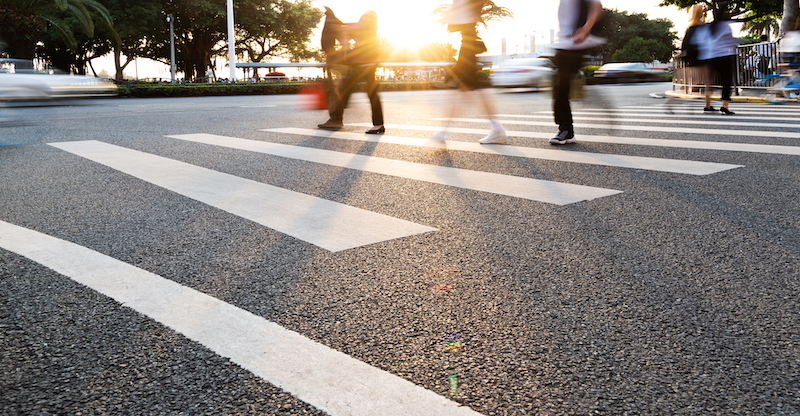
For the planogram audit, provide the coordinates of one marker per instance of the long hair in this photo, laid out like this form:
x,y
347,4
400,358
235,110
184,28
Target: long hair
x,y
698,15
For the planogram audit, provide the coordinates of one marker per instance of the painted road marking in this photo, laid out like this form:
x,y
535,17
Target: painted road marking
x,y
791,135
707,122
318,375
683,144
662,115
602,159
326,224
698,110
533,189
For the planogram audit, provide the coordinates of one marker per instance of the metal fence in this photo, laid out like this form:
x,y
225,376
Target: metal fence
x,y
756,65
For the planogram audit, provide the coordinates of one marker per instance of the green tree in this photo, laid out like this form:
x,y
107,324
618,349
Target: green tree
x,y
22,22
768,25
620,28
640,50
282,29
142,32
201,30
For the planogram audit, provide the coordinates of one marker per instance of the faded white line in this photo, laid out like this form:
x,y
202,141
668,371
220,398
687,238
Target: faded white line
x,y
602,159
661,114
698,110
683,144
533,189
316,374
753,133
705,122
327,224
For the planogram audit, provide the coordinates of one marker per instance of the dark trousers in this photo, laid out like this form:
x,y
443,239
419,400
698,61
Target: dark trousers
x,y
724,67
356,74
567,65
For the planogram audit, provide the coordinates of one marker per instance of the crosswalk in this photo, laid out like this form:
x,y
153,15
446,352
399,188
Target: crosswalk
x,y
291,361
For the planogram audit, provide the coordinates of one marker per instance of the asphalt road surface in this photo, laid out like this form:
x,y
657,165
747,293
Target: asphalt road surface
x,y
220,255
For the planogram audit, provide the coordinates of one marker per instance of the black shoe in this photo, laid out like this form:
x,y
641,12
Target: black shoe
x,y
709,110
331,125
725,111
379,130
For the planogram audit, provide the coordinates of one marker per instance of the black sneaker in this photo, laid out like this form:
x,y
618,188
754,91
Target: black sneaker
x,y
709,110
563,137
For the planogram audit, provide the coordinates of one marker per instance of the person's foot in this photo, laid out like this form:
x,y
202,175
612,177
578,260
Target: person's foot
x,y
376,130
495,137
331,125
563,137
439,136
709,110
725,111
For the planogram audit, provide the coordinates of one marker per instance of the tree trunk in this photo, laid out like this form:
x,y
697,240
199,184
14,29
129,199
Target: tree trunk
x,y
790,11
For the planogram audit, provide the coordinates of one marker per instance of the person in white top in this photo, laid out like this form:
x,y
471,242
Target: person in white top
x,y
717,48
576,18
463,17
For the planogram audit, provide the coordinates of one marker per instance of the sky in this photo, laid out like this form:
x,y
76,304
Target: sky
x,y
410,23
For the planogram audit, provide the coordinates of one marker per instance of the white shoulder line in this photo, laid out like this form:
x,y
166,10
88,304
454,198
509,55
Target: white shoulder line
x,y
683,144
533,189
327,224
316,374
632,162
707,121
752,133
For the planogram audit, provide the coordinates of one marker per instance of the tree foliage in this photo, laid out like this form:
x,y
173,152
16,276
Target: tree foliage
x,y
22,22
640,50
622,28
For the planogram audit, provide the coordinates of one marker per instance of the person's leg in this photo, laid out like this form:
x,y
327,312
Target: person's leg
x,y
374,99
567,65
725,69
708,74
498,134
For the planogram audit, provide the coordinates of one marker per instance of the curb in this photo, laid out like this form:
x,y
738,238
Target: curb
x,y
734,98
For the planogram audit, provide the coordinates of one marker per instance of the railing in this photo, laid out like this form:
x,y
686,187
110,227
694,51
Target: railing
x,y
756,67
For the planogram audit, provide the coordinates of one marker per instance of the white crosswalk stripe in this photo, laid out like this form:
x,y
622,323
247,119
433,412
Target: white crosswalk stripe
x,y
703,122
602,159
533,189
683,144
332,381
667,129
327,224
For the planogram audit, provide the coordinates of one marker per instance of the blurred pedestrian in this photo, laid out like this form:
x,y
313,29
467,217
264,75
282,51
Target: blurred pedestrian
x,y
576,19
463,17
690,49
718,51
361,62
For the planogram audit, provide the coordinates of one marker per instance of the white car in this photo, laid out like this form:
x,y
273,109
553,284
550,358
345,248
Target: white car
x,y
24,84
525,72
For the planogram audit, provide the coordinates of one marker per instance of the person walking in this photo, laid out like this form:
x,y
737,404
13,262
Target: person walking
x,y
717,50
463,17
690,50
361,62
576,18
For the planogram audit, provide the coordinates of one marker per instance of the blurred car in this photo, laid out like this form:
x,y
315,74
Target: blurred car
x,y
20,83
625,72
526,72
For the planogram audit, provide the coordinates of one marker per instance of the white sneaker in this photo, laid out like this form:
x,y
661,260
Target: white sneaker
x,y
438,136
495,137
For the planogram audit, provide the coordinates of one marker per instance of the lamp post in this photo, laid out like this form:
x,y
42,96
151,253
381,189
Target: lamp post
x,y
231,45
171,47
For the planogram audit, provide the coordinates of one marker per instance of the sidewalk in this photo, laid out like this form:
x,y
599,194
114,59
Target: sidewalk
x,y
748,95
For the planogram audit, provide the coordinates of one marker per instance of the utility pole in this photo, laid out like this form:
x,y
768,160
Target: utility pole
x,y
231,46
170,19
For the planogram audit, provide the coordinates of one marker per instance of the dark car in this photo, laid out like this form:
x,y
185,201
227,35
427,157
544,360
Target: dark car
x,y
626,72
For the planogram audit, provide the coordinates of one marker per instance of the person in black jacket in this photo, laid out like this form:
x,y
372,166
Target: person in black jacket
x,y
361,61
